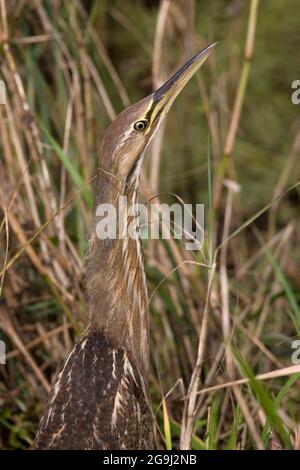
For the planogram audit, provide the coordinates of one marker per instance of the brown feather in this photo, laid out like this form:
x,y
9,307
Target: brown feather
x,y
99,401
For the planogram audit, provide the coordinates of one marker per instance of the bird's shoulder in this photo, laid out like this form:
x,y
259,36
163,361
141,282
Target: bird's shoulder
x,y
99,400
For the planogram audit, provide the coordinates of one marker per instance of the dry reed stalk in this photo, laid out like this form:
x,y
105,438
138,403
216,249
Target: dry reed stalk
x,y
158,77
9,329
189,417
36,342
284,372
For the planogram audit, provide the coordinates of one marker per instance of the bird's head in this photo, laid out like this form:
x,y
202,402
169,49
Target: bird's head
x,y
127,137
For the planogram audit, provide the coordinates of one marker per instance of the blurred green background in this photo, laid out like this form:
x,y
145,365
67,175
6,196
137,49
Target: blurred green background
x,y
269,121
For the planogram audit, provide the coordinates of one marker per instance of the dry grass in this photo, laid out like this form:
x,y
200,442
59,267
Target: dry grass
x,y
222,320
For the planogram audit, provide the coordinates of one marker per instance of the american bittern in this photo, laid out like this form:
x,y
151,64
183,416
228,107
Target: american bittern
x,y
100,398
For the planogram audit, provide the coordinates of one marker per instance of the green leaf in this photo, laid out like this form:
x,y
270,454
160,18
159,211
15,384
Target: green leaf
x,y
266,402
70,167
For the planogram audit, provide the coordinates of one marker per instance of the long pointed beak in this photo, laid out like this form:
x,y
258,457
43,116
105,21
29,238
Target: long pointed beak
x,y
164,97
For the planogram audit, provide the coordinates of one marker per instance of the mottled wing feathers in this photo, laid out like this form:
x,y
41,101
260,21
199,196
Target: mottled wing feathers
x,y
99,401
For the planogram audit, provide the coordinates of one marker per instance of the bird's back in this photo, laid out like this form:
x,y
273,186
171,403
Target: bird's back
x,y
99,401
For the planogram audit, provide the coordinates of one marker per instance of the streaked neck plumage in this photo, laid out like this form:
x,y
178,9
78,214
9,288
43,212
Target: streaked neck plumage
x,y
114,271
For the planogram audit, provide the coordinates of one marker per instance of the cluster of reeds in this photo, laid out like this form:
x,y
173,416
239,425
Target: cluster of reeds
x,y
223,320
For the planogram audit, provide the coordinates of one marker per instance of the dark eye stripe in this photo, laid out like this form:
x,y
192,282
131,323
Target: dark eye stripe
x,y
148,115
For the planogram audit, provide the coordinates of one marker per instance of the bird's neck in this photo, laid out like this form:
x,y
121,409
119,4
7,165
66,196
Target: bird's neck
x,y
114,273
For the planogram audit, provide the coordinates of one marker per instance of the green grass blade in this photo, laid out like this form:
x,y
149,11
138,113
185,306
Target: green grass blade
x,y
266,402
70,167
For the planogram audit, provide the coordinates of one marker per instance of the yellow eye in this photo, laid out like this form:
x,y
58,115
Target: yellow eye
x,y
141,125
